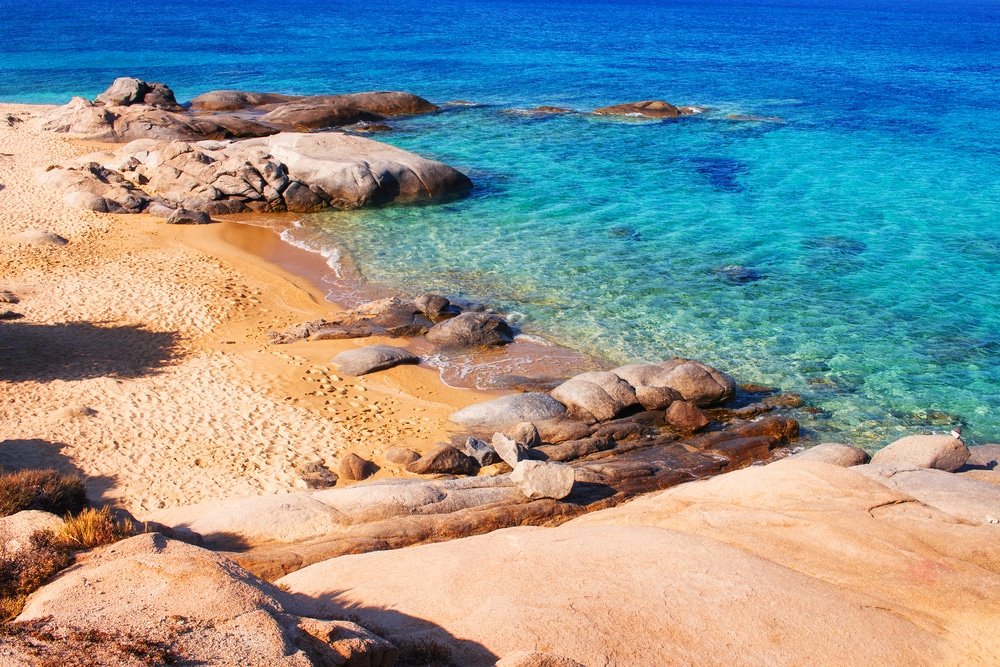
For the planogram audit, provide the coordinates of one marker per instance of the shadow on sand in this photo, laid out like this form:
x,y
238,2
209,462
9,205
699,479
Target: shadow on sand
x,y
81,350
37,454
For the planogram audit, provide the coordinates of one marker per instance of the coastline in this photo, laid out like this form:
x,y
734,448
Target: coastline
x,y
214,394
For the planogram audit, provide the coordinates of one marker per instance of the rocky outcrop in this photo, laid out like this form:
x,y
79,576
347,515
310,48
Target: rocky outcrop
x,y
501,413
907,584
386,317
963,498
287,172
834,453
373,358
133,109
941,452
647,109
192,603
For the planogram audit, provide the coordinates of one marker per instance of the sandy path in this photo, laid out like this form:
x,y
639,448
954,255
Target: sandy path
x,y
140,359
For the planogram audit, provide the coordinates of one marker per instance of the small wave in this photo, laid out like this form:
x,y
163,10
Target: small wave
x,y
332,255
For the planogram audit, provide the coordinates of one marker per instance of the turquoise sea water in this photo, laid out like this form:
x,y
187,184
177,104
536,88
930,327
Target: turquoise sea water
x,y
870,212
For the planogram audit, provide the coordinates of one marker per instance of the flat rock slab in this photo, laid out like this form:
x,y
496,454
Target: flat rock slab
x,y
508,411
957,495
373,358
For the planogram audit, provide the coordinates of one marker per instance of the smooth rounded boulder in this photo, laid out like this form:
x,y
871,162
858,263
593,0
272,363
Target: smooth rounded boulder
x,y
940,452
834,453
373,358
537,479
443,460
507,411
471,329
685,416
596,396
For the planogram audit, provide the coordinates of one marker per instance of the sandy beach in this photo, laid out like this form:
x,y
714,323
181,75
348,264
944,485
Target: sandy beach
x,y
141,360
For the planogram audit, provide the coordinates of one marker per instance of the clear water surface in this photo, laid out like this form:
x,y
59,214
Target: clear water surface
x,y
870,212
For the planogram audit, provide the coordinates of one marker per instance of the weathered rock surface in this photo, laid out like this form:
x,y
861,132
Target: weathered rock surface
x,y
206,608
536,479
354,468
509,450
686,417
906,584
536,659
133,109
647,109
182,216
286,172
471,329
385,317
443,460
373,358
400,455
525,433
961,497
482,451
502,413
596,396
941,452
834,453
16,530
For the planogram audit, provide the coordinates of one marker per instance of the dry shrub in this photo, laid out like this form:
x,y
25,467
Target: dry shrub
x,y
50,645
45,490
94,528
23,571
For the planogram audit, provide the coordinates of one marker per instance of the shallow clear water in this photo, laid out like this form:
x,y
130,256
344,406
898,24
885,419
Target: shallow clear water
x,y
871,213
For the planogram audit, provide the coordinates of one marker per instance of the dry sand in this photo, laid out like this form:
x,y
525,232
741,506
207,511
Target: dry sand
x,y
141,360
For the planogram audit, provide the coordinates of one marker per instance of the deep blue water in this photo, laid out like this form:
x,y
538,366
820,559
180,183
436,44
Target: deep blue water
x,y
871,213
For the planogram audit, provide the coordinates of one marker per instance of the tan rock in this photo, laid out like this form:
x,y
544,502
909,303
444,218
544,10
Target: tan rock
x,y
835,454
354,468
16,530
537,479
686,417
941,452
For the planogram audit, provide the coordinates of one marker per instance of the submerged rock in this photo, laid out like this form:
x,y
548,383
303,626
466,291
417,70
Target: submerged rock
x,y
647,108
736,274
471,330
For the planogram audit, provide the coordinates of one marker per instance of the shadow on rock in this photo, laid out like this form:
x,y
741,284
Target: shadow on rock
x,y
81,351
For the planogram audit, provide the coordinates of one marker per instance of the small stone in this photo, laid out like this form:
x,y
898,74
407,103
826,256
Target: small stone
x,y
526,434
482,451
183,216
686,416
509,449
400,455
537,479
354,468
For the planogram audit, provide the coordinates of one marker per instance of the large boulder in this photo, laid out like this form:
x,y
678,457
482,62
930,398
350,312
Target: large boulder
x,y
941,452
834,453
325,111
543,480
471,329
443,460
198,605
373,358
657,385
596,396
126,91
288,172
502,413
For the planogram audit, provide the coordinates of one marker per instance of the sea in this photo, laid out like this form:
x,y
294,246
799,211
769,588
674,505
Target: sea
x,y
830,225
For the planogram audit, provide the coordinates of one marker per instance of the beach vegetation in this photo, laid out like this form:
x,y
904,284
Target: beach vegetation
x,y
44,490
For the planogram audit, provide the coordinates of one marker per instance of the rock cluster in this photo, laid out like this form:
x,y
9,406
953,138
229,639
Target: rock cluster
x,y
285,172
133,109
648,109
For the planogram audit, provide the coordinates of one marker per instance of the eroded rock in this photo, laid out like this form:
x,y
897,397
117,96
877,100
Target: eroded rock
x,y
373,358
471,329
941,452
508,411
536,479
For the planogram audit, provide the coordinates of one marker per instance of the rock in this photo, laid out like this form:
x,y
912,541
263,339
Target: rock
x,y
317,476
471,330
435,307
16,530
524,433
508,449
400,455
536,659
235,100
648,109
182,216
38,237
385,317
373,358
985,457
833,453
287,172
443,460
735,274
698,382
126,91
961,497
596,396
325,111
482,451
941,452
8,297
554,431
508,411
198,604
543,480
354,468
686,417
894,575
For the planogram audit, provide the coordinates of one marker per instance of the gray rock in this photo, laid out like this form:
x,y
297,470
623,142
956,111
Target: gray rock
x,y
316,475
373,358
941,452
182,216
471,330
354,468
8,297
536,479
38,237
508,449
400,455
126,91
525,433
834,453
508,411
443,460
482,451
435,306
685,416
596,396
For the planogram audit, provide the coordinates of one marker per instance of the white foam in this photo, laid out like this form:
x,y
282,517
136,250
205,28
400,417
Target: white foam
x,y
332,255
